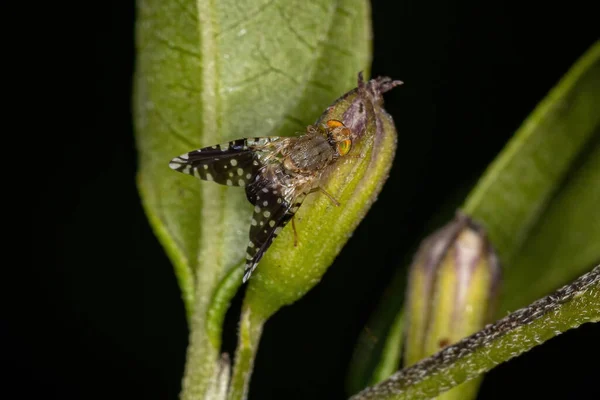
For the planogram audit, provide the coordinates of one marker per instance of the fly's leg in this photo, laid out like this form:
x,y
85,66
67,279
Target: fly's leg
x,y
295,233
329,196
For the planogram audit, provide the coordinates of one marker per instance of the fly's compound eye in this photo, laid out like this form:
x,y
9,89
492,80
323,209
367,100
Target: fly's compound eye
x,y
334,123
339,134
337,130
344,147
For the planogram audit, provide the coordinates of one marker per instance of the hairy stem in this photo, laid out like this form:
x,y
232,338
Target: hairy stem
x,y
251,326
567,308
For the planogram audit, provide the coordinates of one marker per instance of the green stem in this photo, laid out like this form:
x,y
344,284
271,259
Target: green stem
x,y
201,360
567,308
207,373
390,355
251,326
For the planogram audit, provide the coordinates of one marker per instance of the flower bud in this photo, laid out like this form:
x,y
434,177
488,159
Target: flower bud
x,y
452,288
289,269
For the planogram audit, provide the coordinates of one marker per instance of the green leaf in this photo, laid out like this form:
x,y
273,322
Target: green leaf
x,y
513,193
565,243
212,71
537,201
567,308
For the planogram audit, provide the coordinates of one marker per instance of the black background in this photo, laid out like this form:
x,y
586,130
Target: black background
x,y
100,316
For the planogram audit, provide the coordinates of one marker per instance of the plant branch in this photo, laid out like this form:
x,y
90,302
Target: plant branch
x,y
567,308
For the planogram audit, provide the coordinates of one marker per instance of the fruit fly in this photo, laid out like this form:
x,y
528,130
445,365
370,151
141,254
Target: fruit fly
x,y
276,172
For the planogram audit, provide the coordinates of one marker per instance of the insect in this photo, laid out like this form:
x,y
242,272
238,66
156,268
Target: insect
x,y
276,172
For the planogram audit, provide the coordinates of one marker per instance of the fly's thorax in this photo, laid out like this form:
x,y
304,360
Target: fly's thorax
x,y
309,154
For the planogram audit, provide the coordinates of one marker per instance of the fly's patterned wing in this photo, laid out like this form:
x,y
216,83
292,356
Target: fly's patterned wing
x,y
253,163
274,206
232,164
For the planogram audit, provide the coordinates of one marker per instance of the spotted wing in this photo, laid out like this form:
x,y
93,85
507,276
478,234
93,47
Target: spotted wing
x,y
235,163
274,206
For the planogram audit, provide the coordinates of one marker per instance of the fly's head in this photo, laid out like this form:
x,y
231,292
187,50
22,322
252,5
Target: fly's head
x,y
339,136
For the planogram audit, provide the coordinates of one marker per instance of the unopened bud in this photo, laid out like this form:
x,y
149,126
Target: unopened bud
x,y
452,288
289,269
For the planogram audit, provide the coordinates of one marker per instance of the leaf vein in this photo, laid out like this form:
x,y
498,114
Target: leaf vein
x,y
175,131
176,47
187,9
291,28
247,18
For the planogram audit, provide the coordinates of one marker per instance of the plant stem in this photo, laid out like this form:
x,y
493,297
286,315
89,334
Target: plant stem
x,y
567,308
391,353
251,326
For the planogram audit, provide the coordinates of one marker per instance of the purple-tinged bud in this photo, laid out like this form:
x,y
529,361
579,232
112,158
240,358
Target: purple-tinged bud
x,y
452,290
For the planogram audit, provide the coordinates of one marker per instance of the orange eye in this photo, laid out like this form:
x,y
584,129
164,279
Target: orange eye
x,y
334,123
344,147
